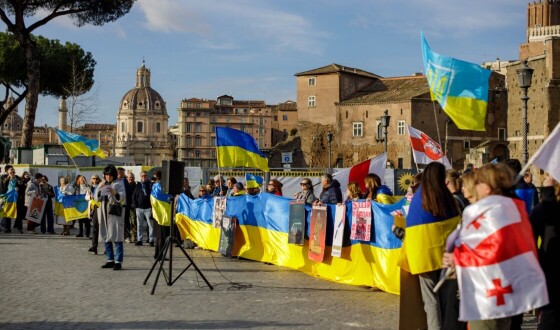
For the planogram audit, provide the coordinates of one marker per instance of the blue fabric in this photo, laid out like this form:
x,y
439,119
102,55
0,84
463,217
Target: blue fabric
x,y
119,253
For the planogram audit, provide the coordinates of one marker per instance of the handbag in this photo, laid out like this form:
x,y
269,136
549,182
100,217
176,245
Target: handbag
x,y
115,209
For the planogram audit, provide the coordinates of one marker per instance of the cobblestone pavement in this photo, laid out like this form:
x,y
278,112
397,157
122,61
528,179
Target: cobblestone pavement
x,y
52,282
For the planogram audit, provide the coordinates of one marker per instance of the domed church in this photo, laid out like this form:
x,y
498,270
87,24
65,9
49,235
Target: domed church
x,y
142,124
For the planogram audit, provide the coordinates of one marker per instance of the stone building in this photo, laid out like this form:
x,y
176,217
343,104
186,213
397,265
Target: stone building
x,y
286,117
542,52
356,118
142,124
196,136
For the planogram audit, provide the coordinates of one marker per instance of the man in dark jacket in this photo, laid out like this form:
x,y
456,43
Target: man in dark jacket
x,y
331,193
141,202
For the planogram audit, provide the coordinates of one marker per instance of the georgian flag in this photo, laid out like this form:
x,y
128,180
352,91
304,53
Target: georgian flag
x,y
424,149
496,261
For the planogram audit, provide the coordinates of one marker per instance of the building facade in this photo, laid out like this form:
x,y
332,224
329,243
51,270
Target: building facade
x,y
142,124
357,118
542,52
198,118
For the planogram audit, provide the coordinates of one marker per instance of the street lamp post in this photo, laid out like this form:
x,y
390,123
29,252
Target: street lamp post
x,y
329,140
385,120
525,75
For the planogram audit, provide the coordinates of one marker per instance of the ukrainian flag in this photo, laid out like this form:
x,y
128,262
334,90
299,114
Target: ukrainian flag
x,y
236,148
58,202
75,207
425,235
9,204
161,208
253,181
77,145
461,88
262,235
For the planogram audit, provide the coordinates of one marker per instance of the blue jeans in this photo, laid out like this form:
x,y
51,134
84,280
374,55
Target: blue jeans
x,y
118,258
143,217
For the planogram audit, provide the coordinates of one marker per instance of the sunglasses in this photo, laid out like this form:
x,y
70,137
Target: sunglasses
x,y
304,183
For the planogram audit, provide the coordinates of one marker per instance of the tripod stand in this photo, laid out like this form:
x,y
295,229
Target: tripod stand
x,y
168,247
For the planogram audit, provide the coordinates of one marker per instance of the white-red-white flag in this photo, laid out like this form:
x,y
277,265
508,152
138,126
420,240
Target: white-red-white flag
x,y
548,155
424,149
359,171
496,261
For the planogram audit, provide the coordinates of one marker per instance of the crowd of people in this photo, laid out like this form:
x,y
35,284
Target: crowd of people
x,y
120,211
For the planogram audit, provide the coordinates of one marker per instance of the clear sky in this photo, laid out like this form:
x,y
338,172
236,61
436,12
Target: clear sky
x,y
251,49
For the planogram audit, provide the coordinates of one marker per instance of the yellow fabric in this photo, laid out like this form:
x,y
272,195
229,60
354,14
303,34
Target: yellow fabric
x,y
357,265
466,113
161,211
424,245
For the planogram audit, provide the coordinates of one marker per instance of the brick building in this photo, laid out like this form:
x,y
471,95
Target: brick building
x,y
196,136
542,52
356,118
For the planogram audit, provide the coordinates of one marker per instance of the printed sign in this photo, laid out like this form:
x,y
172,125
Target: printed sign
x,y
338,232
361,221
36,209
317,233
297,222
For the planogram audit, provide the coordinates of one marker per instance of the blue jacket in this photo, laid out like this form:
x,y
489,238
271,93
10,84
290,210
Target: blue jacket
x,y
331,194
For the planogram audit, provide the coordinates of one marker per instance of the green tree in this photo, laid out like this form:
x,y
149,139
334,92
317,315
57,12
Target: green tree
x,y
60,65
14,13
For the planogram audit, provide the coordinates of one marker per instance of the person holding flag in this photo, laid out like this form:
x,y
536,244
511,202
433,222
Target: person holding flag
x,y
432,216
495,256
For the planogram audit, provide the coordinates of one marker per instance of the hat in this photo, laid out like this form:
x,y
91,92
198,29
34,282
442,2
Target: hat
x,y
239,185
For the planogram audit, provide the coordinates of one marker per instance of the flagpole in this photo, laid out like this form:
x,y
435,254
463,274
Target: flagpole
x,y
437,124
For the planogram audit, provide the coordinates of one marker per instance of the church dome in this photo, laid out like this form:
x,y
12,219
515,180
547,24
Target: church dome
x,y
143,98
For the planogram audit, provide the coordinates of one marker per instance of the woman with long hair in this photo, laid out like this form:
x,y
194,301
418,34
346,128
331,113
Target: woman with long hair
x,y
111,195
307,193
376,191
275,187
353,192
432,215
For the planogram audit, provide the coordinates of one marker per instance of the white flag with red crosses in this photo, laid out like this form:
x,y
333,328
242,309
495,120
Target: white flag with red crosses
x,y
496,261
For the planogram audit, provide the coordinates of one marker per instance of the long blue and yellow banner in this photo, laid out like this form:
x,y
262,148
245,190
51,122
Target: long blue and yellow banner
x,y
263,222
9,204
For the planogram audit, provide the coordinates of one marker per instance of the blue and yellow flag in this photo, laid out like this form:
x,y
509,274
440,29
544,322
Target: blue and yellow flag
x,y
253,181
424,241
236,148
75,207
460,87
161,206
77,145
262,235
9,204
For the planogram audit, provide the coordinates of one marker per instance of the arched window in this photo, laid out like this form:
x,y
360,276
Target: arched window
x,y
139,127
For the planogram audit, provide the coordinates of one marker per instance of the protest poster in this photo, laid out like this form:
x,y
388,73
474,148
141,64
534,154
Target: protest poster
x,y
219,209
297,222
227,235
317,233
36,209
361,221
338,232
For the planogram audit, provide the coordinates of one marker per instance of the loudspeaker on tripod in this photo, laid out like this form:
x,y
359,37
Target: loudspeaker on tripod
x,y
172,175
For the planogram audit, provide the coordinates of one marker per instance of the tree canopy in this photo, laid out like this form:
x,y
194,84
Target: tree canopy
x,y
14,13
58,63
